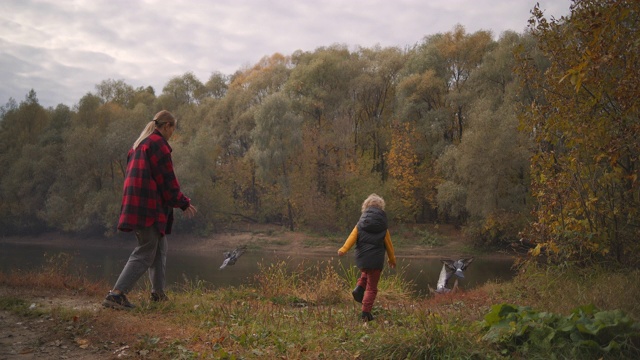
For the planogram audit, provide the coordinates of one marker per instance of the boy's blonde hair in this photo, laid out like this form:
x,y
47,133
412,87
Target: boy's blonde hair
x,y
374,200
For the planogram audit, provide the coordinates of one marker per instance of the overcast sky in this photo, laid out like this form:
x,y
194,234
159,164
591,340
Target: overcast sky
x,y
62,49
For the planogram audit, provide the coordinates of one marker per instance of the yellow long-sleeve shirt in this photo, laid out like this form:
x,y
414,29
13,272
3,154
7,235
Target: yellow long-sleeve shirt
x,y
351,240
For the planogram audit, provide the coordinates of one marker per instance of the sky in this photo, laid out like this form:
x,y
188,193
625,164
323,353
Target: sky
x,y
62,49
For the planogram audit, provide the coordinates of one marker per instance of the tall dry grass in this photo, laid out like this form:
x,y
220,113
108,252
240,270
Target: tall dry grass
x,y
57,273
561,289
308,313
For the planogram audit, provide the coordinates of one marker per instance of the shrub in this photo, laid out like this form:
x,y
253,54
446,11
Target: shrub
x,y
586,331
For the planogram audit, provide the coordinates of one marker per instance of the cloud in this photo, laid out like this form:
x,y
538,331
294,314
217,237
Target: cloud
x,y
62,49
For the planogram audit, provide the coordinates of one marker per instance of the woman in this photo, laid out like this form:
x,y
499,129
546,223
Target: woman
x,y
151,191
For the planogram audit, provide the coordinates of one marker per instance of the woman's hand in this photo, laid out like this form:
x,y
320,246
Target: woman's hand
x,y
340,253
190,211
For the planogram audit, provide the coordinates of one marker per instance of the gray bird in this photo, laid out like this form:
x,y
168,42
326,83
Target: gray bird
x,y
230,257
450,268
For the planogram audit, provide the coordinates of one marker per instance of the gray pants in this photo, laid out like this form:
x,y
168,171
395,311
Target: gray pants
x,y
151,254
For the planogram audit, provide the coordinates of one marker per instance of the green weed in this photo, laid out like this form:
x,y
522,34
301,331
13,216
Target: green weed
x,y
585,333
18,306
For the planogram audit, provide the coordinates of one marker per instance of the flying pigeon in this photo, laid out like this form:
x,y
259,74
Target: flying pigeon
x,y
230,257
450,268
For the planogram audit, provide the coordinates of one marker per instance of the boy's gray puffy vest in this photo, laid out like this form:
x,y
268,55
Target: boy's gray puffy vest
x,y
370,249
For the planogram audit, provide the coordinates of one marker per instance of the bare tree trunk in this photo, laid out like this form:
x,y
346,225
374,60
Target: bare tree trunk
x,y
290,211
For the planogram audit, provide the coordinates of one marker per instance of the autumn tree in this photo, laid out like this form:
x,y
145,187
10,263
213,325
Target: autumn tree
x,y
204,178
86,192
28,152
439,69
486,174
117,91
585,169
144,96
375,90
183,90
216,87
403,171
227,119
321,89
462,53
277,139
435,95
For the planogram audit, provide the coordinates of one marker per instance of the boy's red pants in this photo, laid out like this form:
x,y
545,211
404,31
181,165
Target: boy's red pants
x,y
369,281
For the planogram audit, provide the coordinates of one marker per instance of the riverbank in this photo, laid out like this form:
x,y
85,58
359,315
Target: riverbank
x,y
288,316
41,326
449,242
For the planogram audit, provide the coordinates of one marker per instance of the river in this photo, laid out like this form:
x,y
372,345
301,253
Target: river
x,y
100,263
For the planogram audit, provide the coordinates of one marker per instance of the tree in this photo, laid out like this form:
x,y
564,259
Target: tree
x,y
216,87
203,176
116,91
462,54
232,120
403,171
374,91
27,156
180,91
277,139
11,105
487,173
322,88
440,68
435,95
145,96
585,168
86,110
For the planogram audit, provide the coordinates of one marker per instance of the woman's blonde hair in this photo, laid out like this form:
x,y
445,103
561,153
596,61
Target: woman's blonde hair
x,y
161,118
374,200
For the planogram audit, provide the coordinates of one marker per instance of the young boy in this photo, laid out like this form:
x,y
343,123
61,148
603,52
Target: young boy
x,y
372,240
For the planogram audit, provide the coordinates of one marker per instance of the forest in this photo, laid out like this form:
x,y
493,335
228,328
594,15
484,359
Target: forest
x,y
527,136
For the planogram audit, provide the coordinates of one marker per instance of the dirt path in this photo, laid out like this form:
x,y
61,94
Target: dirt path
x,y
40,336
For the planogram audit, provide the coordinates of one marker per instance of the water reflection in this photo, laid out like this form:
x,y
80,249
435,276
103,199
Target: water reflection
x,y
106,264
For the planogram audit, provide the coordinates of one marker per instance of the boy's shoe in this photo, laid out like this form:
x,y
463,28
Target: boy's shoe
x,y
159,296
358,293
117,301
366,316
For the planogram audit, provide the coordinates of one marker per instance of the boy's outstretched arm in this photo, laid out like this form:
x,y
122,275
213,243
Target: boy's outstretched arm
x,y
350,241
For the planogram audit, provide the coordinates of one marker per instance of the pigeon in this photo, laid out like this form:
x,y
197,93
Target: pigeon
x,y
450,268
230,257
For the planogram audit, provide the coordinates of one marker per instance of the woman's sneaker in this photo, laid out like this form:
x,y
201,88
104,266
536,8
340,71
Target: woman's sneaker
x,y
159,296
117,301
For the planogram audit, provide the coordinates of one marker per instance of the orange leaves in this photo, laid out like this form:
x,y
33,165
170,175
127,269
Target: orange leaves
x,y
402,163
583,173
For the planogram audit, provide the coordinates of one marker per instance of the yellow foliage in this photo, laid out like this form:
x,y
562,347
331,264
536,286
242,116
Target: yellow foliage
x,y
402,161
536,251
584,170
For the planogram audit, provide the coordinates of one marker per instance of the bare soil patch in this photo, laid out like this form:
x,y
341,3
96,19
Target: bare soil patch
x,y
36,336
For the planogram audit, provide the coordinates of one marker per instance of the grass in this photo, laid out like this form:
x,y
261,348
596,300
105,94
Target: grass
x,y
309,314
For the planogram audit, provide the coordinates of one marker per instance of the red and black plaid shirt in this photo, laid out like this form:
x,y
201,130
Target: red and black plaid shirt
x,y
151,189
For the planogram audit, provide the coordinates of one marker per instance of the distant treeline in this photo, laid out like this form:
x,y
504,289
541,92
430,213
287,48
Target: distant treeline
x,y
532,136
